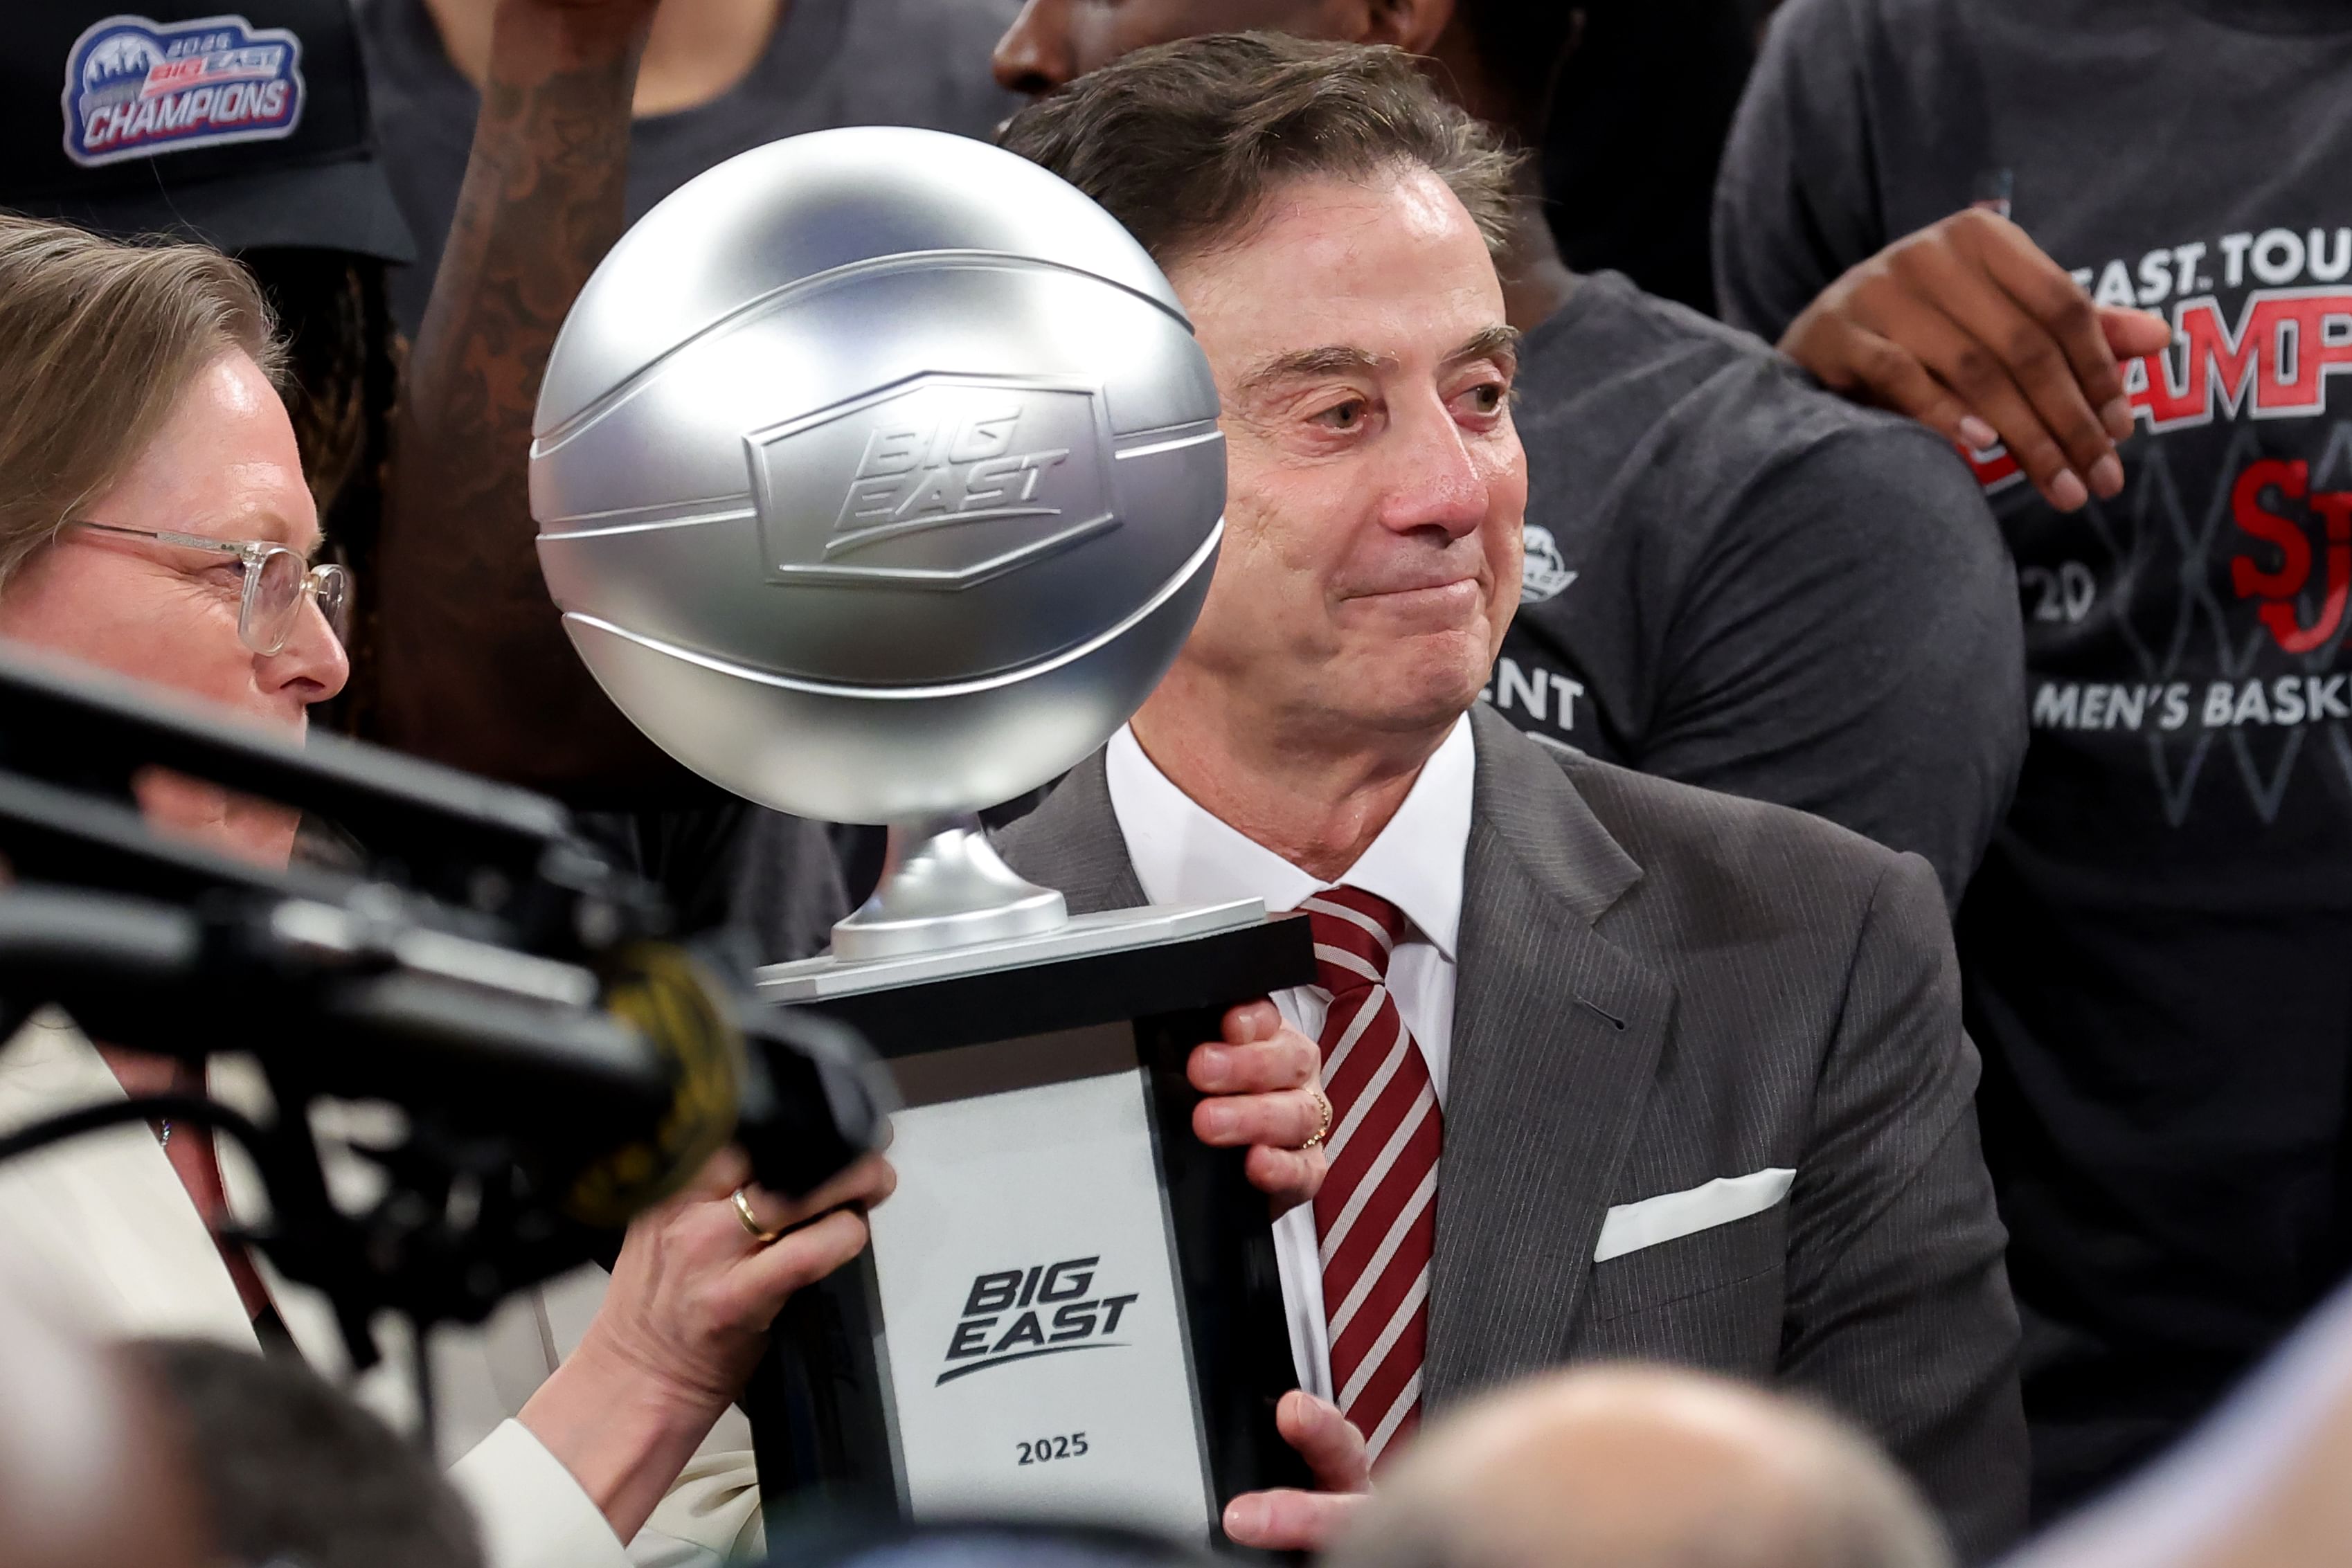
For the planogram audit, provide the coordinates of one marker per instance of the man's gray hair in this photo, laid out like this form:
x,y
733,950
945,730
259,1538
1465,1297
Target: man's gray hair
x,y
1184,142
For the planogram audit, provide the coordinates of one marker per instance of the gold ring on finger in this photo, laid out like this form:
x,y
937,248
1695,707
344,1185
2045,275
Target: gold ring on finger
x,y
758,1232
1322,1104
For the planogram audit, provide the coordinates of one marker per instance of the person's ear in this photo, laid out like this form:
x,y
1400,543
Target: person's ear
x,y
1413,26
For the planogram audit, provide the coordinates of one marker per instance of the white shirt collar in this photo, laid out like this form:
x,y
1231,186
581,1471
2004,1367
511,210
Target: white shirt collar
x,y
1182,854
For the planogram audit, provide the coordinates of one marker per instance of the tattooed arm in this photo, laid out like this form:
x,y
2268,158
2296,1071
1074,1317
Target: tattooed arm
x,y
475,667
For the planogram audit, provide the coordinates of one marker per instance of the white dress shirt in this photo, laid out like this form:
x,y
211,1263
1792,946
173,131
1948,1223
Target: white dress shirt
x,y
1182,854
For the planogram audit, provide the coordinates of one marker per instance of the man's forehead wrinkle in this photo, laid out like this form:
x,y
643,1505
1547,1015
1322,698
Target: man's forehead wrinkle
x,y
1334,212
1331,358
1500,341
1496,342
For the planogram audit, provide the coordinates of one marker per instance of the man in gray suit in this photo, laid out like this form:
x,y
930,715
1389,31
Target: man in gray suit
x,y
1615,1067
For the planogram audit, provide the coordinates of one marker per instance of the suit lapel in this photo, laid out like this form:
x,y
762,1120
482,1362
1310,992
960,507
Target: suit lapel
x,y
1556,1035
1072,843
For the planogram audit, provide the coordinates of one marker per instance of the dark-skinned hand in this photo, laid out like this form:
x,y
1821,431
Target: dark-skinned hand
x,y
1969,327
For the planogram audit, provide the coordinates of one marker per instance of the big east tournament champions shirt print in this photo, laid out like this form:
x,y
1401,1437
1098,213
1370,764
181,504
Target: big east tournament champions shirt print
x,y
135,87
2197,619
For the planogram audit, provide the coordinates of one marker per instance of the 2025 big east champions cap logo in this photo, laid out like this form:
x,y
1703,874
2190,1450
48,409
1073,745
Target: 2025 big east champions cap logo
x,y
241,123
136,86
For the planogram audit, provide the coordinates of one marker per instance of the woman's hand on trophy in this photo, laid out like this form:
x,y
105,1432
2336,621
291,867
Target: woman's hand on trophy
x,y
699,1280
1286,1519
1263,1079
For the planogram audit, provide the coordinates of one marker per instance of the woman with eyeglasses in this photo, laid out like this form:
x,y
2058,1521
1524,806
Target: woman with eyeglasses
x,y
154,521
153,518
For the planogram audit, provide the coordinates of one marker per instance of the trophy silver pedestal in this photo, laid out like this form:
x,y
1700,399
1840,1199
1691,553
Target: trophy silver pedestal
x,y
943,887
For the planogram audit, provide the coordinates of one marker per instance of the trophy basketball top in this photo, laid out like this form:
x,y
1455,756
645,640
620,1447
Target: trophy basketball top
x,y
878,476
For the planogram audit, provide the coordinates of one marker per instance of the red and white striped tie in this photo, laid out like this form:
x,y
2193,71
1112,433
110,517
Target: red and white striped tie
x,y
1377,1212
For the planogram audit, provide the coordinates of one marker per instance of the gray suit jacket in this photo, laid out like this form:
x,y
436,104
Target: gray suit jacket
x,y
1658,986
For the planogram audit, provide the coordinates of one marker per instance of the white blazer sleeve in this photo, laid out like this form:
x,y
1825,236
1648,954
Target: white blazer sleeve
x,y
532,1514
709,1517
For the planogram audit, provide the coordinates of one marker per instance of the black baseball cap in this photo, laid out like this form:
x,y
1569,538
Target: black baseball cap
x,y
243,123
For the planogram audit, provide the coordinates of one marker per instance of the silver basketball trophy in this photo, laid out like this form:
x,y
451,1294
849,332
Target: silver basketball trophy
x,y
878,480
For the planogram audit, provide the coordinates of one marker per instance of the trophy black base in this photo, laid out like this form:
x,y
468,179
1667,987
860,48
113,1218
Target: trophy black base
x,y
1071,1309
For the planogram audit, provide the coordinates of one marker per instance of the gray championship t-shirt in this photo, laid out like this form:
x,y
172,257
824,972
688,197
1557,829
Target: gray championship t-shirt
x,y
2157,951
1737,580
830,63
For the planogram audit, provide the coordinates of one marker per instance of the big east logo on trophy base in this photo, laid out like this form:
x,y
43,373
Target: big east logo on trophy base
x,y
946,481
1042,1311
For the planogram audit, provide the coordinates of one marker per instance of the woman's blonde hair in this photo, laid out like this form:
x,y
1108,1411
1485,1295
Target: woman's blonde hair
x,y
98,340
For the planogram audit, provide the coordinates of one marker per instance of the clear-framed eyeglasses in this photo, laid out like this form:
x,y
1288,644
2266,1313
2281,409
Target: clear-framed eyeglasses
x,y
276,580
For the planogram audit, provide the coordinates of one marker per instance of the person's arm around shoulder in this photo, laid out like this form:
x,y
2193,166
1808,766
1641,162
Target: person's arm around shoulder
x,y
1850,644
474,667
1898,1310
1968,327
1964,325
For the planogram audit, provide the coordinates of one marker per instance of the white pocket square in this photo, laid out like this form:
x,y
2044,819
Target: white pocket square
x,y
1629,1227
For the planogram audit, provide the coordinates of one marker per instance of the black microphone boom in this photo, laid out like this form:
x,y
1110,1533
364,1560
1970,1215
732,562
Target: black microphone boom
x,y
560,1061
465,845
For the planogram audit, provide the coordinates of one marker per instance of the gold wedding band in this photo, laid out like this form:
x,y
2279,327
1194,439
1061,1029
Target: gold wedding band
x,y
1323,1103
752,1221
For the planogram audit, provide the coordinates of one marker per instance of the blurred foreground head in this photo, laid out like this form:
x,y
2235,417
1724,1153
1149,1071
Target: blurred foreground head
x,y
2265,1482
293,1472
89,1476
1641,1468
